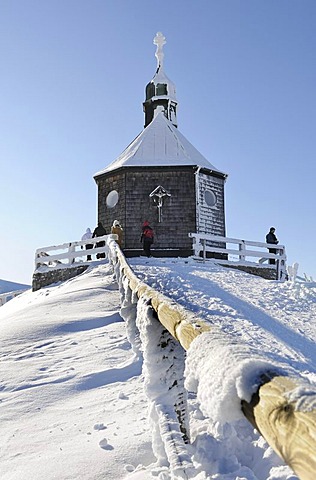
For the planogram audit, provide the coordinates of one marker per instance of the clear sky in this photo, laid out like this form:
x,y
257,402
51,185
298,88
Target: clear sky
x,y
73,74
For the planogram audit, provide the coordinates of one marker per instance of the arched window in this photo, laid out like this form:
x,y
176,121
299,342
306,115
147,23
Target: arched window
x,y
150,91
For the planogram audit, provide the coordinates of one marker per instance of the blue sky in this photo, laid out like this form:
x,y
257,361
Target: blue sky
x,y
73,74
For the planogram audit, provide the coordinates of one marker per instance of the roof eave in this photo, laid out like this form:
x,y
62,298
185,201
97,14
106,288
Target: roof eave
x,y
202,169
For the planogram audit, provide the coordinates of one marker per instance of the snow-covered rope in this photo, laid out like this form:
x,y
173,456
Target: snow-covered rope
x,y
163,370
275,399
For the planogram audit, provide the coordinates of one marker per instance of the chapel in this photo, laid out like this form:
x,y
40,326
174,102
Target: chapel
x,y
161,178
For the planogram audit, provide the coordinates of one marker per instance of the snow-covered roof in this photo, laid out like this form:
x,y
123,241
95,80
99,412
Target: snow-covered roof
x,y
160,144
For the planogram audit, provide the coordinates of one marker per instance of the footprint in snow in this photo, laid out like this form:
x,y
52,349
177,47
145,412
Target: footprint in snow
x,y
99,426
105,445
122,396
129,468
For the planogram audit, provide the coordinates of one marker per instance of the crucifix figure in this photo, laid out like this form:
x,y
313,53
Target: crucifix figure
x,y
160,41
158,194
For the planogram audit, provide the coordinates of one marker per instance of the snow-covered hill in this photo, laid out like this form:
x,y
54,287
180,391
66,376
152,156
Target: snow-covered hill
x,y
71,389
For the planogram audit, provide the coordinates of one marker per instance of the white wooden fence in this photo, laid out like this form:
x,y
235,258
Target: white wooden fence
x,y
226,254
75,252
71,252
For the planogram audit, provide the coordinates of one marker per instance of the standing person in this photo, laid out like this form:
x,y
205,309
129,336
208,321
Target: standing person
x,y
271,238
87,236
117,230
99,231
147,238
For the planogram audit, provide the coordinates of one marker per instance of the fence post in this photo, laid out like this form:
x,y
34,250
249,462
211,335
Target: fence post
x,y
281,265
195,244
71,250
242,249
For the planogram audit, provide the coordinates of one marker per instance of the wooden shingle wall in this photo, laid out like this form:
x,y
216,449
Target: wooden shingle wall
x,y
178,213
211,220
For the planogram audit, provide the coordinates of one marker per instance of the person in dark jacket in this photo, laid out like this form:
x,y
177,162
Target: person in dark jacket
x,y
147,238
99,231
271,238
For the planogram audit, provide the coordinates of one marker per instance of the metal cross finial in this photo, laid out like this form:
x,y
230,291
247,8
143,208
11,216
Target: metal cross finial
x,y
160,41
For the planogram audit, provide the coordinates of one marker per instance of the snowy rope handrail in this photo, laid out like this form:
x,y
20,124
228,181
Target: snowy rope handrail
x,y
275,407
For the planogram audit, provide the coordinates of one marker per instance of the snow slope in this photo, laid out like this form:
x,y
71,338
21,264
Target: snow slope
x,y
72,391
277,318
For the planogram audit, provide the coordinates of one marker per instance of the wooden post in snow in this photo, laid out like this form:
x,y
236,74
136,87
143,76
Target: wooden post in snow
x,y
289,431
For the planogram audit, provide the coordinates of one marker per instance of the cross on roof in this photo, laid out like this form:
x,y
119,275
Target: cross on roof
x,y
160,41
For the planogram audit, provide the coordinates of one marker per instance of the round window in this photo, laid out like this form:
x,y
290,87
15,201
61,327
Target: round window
x,y
209,198
112,199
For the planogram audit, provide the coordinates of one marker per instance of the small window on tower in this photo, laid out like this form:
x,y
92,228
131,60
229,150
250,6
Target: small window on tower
x,y
161,89
150,91
209,198
112,199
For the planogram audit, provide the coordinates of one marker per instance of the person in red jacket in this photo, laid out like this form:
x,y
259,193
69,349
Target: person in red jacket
x,y
147,238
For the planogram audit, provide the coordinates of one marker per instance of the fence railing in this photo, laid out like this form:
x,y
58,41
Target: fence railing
x,y
244,252
69,253
290,431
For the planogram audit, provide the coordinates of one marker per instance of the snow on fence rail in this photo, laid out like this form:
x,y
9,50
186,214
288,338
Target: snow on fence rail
x,y
273,405
213,244
68,253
